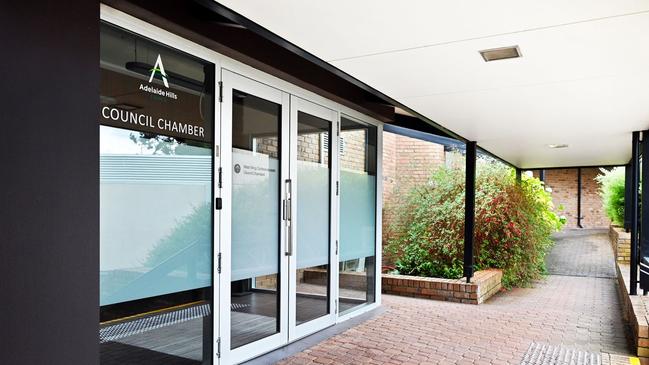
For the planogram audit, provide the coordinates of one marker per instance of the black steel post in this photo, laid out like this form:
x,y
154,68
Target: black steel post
x,y
635,162
627,197
542,175
579,217
469,209
518,176
644,199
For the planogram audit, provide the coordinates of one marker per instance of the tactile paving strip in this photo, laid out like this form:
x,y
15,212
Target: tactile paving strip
x,y
544,354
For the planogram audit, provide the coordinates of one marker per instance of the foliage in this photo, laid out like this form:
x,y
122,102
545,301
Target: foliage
x,y
611,189
513,225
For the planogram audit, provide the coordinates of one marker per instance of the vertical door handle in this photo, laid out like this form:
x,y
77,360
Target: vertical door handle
x,y
288,219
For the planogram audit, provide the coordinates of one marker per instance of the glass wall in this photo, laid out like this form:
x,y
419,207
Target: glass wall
x,y
156,174
358,174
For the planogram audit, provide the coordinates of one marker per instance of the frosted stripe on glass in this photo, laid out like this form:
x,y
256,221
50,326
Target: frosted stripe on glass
x,y
313,214
255,215
357,215
155,220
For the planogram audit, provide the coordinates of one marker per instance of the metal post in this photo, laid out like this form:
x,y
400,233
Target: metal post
x,y
518,176
644,203
579,217
542,175
469,209
635,161
627,197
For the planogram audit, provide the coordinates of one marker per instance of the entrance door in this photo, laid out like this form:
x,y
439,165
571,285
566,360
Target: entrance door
x,y
254,266
312,254
277,238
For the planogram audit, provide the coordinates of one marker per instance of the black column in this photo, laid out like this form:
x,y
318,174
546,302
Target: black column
x,y
644,205
518,176
469,209
49,155
542,175
635,162
627,197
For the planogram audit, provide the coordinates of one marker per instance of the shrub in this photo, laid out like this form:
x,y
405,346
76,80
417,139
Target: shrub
x,y
512,228
611,189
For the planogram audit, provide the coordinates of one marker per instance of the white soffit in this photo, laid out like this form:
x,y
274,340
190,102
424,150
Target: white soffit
x,y
583,79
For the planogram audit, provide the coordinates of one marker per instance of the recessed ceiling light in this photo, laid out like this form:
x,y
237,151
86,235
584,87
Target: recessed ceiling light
x,y
503,53
558,145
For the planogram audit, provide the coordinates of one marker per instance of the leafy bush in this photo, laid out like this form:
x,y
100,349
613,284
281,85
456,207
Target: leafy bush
x,y
611,189
512,227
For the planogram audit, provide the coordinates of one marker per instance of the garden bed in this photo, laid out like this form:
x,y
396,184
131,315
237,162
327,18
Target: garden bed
x,y
483,286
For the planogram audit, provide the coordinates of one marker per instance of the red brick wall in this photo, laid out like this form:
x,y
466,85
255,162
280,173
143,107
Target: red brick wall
x,y
406,162
563,183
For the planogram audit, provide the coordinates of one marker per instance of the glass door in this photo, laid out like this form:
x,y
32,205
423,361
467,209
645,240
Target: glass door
x,y
254,267
312,190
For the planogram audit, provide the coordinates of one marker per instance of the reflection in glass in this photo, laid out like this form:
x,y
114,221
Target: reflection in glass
x,y
312,247
357,214
255,218
155,244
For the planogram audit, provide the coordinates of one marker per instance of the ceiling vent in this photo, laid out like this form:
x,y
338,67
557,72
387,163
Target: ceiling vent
x,y
562,145
503,53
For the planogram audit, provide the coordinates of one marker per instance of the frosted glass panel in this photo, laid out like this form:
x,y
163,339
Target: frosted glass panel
x,y
357,215
155,219
254,235
313,214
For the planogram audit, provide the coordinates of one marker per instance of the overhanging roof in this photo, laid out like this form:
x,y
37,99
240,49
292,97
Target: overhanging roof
x,y
583,79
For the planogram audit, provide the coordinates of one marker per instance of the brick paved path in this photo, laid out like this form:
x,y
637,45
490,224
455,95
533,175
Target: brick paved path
x,y
575,311
582,253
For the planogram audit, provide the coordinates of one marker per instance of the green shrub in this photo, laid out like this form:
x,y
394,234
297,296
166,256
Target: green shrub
x,y
512,228
611,189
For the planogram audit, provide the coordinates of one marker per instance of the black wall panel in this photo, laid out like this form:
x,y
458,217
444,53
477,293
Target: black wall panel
x,y
49,182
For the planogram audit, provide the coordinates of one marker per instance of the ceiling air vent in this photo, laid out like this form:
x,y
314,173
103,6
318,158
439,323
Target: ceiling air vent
x,y
503,53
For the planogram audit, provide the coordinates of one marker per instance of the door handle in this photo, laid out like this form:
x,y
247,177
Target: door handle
x,y
288,249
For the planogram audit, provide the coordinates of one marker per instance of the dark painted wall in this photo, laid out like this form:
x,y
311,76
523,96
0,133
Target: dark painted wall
x,y
49,220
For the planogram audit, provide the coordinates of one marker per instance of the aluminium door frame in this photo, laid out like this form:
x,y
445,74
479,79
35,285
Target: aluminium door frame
x,y
231,81
298,331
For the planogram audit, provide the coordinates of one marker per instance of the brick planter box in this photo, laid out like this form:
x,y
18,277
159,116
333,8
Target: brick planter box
x,y
621,243
483,285
634,312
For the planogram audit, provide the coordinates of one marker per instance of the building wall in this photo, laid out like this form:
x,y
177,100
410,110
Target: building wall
x,y
563,183
49,250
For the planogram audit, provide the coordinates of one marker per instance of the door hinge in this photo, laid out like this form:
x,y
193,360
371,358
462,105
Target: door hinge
x,y
336,247
336,305
218,263
338,129
220,178
218,347
220,91
337,187
218,203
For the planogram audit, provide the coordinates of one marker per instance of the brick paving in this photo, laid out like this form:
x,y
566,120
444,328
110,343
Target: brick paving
x,y
574,311
582,253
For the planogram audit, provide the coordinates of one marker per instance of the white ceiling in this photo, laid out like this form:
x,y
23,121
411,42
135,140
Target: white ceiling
x,y
583,79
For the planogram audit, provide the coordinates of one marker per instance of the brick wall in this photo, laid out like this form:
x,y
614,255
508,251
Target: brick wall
x,y
563,183
407,162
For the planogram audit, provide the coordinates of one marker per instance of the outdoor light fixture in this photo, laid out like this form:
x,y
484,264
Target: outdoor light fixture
x,y
503,53
558,145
